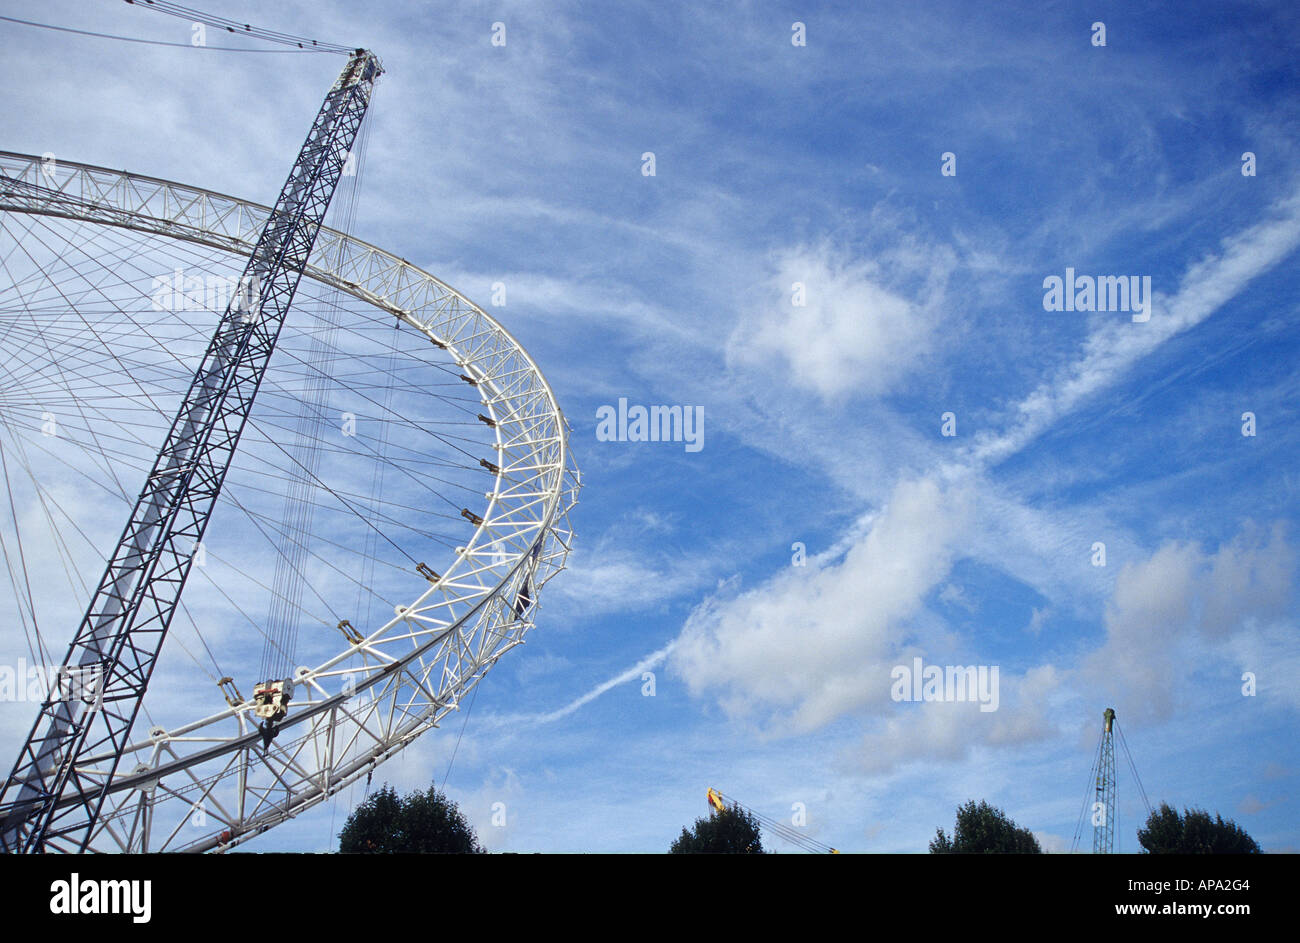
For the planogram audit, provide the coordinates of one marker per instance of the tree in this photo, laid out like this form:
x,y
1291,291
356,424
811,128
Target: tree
x,y
982,829
1194,833
729,831
421,823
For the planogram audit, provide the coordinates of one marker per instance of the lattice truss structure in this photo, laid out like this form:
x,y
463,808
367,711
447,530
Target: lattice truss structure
x,y
211,783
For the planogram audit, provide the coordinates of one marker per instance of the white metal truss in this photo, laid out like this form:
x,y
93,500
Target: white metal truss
x,y
376,695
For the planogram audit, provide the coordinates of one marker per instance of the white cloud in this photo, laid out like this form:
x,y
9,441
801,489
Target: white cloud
x,y
817,642
853,333
948,731
610,579
1170,611
1037,619
529,669
955,595
494,808
1051,843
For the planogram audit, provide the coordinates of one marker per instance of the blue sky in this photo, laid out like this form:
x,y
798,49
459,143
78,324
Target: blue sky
x,y
821,165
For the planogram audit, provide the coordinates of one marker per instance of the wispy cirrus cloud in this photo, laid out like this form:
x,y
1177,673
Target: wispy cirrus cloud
x,y
1114,346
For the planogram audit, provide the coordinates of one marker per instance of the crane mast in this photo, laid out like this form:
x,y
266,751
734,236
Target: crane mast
x,y
1103,809
49,802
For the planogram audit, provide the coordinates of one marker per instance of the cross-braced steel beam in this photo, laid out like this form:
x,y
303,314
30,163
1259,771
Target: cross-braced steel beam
x,y
50,797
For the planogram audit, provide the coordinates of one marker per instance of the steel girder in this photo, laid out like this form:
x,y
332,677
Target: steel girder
x,y
122,633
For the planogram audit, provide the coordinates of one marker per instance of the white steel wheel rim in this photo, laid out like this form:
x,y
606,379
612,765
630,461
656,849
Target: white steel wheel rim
x,y
374,697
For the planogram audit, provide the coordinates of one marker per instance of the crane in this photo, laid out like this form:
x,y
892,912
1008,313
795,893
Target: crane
x,y
719,803
47,796
1103,785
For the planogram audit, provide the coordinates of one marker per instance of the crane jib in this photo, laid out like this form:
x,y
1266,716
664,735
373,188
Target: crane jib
x,y
127,620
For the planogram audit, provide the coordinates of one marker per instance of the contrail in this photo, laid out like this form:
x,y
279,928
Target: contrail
x,y
631,674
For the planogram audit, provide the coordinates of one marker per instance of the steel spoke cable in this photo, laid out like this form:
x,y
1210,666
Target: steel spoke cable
x,y
461,404
41,650
126,458
443,497
312,368
57,361
107,348
75,376
46,499
24,592
238,570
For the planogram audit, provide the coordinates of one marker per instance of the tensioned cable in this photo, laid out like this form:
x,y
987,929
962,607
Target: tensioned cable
x,y
1133,768
782,830
353,389
446,440
137,463
299,500
86,592
255,518
39,648
369,551
464,724
82,376
58,361
151,42
235,27
40,653
790,834
205,643
1089,793
461,404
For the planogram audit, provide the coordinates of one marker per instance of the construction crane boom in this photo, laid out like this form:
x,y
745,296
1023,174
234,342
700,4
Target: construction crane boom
x,y
48,802
719,803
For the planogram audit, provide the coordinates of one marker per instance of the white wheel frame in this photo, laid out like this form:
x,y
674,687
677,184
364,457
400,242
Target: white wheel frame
x,y
374,697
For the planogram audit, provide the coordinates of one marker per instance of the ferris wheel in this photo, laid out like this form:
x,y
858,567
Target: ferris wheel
x,y
389,509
